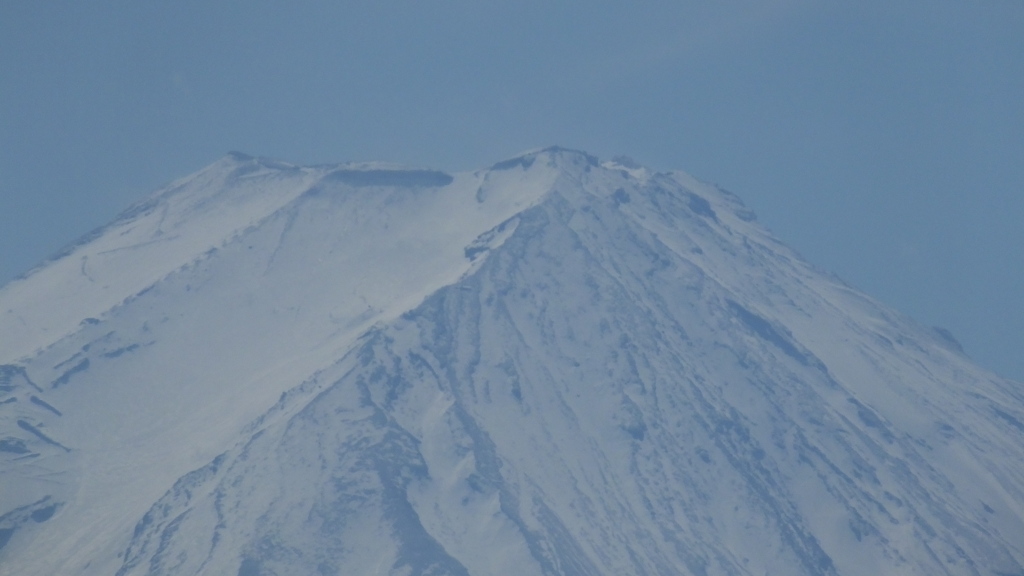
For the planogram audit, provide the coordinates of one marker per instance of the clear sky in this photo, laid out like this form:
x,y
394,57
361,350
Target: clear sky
x,y
883,139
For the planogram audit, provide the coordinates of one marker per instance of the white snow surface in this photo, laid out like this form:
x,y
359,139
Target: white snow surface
x,y
553,366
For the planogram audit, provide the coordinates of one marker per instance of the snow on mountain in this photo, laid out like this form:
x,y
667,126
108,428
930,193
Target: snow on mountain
x,y
553,366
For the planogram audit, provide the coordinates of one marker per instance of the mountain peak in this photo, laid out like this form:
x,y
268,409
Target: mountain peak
x,y
553,155
554,366
238,156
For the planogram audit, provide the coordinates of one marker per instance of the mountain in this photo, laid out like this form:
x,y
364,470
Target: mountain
x,y
554,366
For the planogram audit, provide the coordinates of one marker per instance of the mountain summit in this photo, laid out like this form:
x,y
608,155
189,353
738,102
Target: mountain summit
x,y
554,366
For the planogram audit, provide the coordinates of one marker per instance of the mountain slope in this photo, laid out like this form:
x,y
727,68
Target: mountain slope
x,y
555,366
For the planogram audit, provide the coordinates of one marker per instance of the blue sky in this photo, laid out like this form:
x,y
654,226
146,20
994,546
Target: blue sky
x,y
882,140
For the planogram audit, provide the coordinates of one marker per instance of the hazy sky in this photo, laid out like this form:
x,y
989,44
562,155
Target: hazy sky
x,y
884,140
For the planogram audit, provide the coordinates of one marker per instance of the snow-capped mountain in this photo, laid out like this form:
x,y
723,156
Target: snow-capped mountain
x,y
553,366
